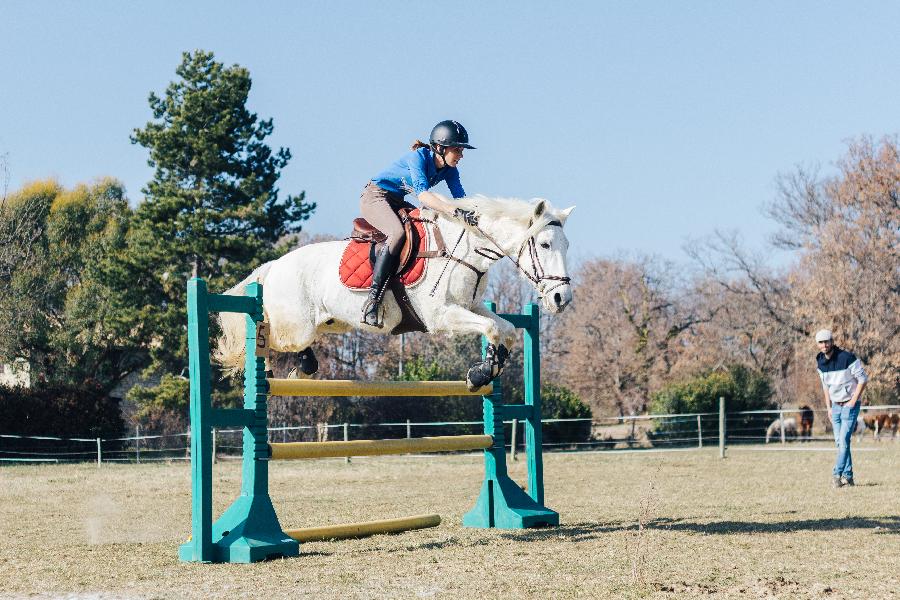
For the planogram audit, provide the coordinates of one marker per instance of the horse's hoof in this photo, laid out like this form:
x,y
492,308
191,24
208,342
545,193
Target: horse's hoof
x,y
478,376
502,354
309,365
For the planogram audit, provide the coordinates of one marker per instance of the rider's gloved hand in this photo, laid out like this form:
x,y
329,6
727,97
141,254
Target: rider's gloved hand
x,y
468,216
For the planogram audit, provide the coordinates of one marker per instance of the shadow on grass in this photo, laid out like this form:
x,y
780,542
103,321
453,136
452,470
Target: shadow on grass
x,y
578,532
575,532
890,523
586,531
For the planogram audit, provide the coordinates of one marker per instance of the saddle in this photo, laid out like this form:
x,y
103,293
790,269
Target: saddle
x,y
359,257
414,241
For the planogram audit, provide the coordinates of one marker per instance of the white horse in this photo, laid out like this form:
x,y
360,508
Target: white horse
x,y
304,297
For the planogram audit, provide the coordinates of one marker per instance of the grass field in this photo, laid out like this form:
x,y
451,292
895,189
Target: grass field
x,y
760,524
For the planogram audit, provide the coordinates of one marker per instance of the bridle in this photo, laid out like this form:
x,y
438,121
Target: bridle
x,y
537,276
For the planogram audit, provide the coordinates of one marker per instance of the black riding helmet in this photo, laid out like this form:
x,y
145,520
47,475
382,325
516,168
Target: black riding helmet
x,y
450,134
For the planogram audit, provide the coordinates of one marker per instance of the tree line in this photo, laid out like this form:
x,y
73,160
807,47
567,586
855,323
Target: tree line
x,y
92,289
642,326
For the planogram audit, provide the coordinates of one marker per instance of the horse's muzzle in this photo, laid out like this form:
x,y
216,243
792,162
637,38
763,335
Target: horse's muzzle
x,y
557,300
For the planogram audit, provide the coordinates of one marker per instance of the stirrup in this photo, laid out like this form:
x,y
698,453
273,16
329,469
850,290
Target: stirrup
x,y
372,312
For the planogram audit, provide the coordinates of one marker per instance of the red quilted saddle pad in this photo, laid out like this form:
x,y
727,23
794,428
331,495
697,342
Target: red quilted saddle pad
x,y
356,270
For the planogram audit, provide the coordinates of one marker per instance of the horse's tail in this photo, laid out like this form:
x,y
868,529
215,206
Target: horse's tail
x,y
230,346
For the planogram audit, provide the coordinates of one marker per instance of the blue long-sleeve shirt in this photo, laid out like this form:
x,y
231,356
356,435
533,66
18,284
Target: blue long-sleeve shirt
x,y
415,172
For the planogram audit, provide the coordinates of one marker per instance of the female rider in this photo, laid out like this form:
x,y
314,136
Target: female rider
x,y
415,172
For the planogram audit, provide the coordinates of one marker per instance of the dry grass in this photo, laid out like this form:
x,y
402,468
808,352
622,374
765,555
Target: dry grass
x,y
761,524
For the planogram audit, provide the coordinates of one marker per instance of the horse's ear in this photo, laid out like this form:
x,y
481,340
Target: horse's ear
x,y
564,214
539,210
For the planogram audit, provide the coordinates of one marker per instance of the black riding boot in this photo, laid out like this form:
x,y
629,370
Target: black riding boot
x,y
385,265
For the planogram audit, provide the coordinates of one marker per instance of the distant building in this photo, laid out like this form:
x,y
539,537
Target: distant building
x,y
16,374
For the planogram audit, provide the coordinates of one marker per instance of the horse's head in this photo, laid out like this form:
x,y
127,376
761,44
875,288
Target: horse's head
x,y
532,235
542,256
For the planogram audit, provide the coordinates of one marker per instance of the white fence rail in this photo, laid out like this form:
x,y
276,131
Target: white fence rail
x,y
627,432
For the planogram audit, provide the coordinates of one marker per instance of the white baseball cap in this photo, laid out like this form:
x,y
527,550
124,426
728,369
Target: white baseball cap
x,y
823,335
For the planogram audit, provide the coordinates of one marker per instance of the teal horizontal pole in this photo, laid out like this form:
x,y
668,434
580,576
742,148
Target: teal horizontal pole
x,y
519,321
517,411
232,417
232,304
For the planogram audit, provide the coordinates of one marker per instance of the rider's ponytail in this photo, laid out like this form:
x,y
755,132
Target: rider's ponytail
x,y
419,144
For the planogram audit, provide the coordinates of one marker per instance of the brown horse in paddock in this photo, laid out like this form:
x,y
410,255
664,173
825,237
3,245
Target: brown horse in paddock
x,y
807,416
880,422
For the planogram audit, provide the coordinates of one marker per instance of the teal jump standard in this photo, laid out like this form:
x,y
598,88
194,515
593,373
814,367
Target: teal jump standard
x,y
249,530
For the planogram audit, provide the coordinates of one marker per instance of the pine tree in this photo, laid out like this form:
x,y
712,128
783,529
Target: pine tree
x,y
212,208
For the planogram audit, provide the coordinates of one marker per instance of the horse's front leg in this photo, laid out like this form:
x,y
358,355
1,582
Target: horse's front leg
x,y
494,328
506,334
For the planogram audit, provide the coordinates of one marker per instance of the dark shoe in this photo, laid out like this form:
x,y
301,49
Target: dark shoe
x,y
847,481
836,481
385,264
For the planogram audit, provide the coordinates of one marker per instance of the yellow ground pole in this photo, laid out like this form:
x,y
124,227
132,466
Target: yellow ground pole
x,y
349,387
353,530
379,447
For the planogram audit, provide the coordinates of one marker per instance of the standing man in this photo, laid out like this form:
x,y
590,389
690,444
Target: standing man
x,y
843,381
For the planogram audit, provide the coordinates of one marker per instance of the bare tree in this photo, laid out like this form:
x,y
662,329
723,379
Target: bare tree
x,y
757,319
845,231
619,339
848,277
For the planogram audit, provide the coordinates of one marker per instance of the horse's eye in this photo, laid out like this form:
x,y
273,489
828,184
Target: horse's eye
x,y
545,245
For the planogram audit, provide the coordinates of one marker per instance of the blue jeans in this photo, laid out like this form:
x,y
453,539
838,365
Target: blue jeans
x,y
843,420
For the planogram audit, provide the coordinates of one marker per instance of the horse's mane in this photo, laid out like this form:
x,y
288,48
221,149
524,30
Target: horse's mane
x,y
514,209
510,208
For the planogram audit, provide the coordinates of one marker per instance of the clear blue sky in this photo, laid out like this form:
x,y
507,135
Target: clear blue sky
x,y
661,120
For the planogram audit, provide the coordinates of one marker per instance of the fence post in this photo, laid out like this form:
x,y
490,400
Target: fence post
x,y
781,422
699,433
400,362
347,439
99,455
408,429
214,445
721,427
631,435
137,443
512,438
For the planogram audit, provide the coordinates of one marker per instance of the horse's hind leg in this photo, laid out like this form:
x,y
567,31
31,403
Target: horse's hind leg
x,y
293,330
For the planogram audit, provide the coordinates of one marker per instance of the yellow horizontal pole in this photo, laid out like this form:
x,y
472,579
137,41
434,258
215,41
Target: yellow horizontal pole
x,y
350,387
353,530
379,447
